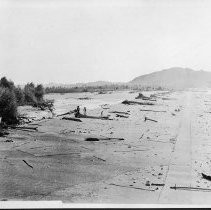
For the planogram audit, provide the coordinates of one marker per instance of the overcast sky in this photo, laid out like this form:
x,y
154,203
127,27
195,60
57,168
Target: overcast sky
x,y
69,41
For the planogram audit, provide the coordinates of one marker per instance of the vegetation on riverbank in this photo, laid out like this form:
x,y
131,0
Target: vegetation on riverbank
x,y
99,89
12,96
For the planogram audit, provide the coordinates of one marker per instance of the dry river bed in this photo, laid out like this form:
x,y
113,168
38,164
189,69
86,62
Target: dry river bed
x,y
56,163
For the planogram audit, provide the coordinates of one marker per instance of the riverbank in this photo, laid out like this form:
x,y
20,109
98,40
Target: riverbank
x,y
57,163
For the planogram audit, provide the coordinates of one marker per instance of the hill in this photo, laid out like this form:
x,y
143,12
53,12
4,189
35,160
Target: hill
x,y
175,78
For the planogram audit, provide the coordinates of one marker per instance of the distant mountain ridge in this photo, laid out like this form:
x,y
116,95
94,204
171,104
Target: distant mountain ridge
x,y
175,78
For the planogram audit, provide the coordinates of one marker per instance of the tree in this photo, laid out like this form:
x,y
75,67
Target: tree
x,y
20,96
39,93
4,83
29,91
8,106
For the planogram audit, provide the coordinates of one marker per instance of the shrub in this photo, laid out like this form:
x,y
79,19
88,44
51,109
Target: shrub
x,y
8,106
12,96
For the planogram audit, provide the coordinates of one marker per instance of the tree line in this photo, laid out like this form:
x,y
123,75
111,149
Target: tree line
x,y
61,89
12,96
112,87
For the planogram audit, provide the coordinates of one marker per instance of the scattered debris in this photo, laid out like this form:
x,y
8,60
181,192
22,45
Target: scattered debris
x,y
146,118
116,112
47,104
147,183
173,140
9,140
105,106
70,118
141,136
141,96
136,102
165,98
138,188
102,92
132,91
3,133
123,116
85,98
99,158
27,164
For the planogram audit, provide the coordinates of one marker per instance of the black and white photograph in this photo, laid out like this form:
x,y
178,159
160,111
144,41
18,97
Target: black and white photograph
x,y
105,103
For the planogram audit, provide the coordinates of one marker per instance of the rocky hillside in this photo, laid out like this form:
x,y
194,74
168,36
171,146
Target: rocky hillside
x,y
176,78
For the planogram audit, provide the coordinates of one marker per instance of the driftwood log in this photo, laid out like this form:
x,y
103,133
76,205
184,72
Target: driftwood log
x,y
70,112
190,188
138,188
99,158
157,184
85,98
70,118
149,110
126,102
91,117
102,138
148,99
27,164
117,112
123,116
23,127
146,118
206,177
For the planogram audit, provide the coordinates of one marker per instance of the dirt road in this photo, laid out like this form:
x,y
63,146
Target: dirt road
x,y
183,170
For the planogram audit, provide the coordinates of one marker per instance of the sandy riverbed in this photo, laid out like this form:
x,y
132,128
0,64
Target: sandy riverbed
x,y
63,166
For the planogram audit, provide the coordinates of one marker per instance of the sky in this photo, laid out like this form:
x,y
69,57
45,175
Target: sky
x,y
70,41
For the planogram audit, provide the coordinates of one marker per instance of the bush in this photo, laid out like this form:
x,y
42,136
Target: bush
x,y
12,96
8,106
